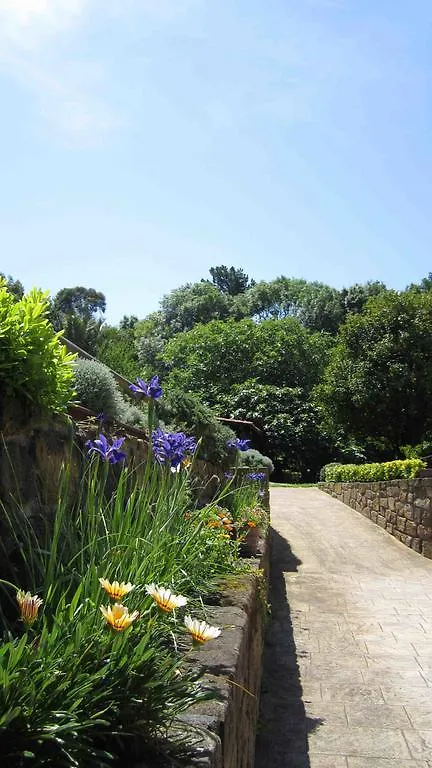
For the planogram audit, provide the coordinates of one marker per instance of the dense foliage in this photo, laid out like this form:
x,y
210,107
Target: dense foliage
x,y
326,374
79,312
378,384
185,411
387,470
214,357
34,365
96,389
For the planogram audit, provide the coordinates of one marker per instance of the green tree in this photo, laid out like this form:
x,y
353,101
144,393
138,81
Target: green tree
x,y
15,287
78,311
116,348
422,287
230,280
211,358
191,304
355,297
317,306
379,382
86,303
290,423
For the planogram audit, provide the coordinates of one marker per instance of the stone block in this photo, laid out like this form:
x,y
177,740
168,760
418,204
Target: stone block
x,y
426,518
423,533
427,549
400,524
416,545
382,521
390,502
411,528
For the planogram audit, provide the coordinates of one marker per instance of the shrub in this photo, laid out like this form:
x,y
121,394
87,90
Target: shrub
x,y
34,365
327,469
254,459
186,412
388,470
97,390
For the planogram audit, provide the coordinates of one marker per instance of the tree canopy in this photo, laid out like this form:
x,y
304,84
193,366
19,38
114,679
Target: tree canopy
x,y
230,280
78,311
327,373
379,381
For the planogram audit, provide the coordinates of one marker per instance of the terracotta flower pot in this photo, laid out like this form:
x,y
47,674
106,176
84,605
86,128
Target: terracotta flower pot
x,y
249,546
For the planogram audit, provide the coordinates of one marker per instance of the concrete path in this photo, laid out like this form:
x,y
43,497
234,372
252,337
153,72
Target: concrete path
x,y
348,661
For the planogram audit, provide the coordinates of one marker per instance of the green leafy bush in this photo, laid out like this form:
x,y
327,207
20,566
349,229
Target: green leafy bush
x,y
388,470
97,390
186,412
254,459
34,365
323,476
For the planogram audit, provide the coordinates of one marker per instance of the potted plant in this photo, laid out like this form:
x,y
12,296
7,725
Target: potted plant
x,y
249,527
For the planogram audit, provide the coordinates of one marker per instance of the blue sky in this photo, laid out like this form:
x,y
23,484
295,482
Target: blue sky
x,y
144,141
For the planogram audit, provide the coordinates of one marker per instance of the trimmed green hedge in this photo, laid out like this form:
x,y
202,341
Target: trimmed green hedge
x,y
388,470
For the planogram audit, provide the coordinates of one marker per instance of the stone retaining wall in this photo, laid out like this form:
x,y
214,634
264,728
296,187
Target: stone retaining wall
x,y
223,731
32,453
401,507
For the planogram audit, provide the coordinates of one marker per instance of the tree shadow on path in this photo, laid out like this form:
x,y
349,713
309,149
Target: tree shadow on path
x,y
283,725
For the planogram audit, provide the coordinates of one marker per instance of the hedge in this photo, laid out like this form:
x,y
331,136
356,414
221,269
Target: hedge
x,y
388,470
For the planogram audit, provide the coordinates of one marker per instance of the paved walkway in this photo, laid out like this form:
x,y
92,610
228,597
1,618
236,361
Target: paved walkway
x,y
348,662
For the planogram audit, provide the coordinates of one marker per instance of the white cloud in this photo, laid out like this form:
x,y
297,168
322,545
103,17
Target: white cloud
x,y
68,94
72,93
29,23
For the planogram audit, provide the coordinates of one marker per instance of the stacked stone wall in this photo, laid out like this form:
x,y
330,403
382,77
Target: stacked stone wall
x,y
402,507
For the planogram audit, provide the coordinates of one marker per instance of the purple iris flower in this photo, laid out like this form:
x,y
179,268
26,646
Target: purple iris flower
x,y
172,447
229,475
256,476
240,445
152,390
106,451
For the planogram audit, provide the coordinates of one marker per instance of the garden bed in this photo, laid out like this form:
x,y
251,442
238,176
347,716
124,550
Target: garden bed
x,y
220,733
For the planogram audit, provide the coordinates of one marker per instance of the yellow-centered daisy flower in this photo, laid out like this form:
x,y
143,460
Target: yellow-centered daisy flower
x,y
115,590
164,598
29,606
200,630
118,616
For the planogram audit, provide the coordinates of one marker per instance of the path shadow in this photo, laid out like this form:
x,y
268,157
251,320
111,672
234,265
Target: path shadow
x,y
283,725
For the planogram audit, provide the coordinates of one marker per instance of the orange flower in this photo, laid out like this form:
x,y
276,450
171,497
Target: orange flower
x,y
251,524
118,616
